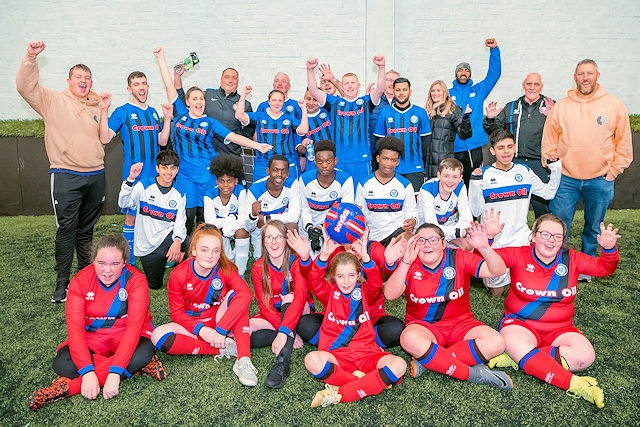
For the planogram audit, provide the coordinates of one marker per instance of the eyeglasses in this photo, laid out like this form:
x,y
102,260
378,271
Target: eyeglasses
x,y
545,235
433,240
270,239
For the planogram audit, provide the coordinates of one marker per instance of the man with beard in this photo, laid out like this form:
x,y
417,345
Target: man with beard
x,y
589,131
465,93
139,127
410,124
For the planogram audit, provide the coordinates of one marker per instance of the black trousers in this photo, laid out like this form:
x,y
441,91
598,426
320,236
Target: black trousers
x,y
63,364
77,205
539,205
154,263
470,160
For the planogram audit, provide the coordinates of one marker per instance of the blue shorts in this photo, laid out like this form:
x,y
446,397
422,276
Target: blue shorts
x,y
129,211
357,170
195,186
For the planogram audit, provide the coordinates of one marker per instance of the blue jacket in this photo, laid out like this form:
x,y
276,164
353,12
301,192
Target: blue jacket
x,y
474,95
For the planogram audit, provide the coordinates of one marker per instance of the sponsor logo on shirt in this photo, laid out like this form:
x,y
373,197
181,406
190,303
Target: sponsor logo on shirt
x,y
364,317
140,128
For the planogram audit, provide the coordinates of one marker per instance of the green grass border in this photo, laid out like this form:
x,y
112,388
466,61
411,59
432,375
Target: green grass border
x,y
22,128
35,128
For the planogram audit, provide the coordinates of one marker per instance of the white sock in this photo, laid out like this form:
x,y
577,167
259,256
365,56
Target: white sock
x,y
242,255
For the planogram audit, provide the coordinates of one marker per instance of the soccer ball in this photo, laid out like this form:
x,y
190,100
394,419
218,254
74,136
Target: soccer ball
x,y
344,223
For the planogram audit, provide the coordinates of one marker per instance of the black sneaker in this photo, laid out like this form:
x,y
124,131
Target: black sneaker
x,y
60,294
278,374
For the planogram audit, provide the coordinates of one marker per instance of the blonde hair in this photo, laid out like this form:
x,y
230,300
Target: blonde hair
x,y
442,108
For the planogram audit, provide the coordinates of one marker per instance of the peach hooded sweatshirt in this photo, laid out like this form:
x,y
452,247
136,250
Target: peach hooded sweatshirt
x,y
71,135
591,135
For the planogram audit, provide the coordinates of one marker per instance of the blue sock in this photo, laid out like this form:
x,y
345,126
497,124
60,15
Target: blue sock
x,y
127,232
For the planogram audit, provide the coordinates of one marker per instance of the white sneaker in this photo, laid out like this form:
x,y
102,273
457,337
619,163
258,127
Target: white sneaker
x,y
229,351
246,372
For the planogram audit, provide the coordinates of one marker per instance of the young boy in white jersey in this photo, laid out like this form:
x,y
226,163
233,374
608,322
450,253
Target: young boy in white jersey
x,y
443,201
507,187
387,198
160,228
276,196
319,188
225,207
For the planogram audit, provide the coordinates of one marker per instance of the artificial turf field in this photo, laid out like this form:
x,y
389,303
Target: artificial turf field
x,y
200,391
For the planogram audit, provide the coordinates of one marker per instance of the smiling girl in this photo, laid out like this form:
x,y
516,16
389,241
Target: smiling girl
x,y
442,333
207,301
108,328
280,285
348,359
192,135
447,121
537,323
275,129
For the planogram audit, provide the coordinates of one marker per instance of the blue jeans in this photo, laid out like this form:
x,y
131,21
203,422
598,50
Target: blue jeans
x,y
596,193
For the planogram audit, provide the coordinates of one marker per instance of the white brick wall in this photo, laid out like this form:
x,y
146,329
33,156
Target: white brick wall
x,y
423,40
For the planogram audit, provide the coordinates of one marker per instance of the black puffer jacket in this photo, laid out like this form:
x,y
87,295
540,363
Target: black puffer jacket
x,y
443,134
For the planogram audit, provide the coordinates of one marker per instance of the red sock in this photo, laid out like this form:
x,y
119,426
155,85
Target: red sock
x,y
467,352
335,375
75,386
544,367
101,368
440,359
242,335
371,384
554,352
184,344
